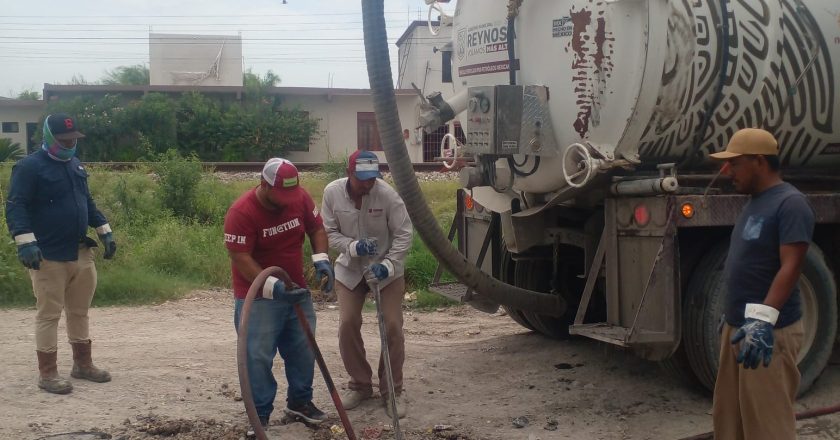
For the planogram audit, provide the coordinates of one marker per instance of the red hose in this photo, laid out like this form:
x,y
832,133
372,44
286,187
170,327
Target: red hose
x,y
804,415
242,355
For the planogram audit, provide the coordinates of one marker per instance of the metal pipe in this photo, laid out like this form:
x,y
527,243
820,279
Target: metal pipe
x,y
373,283
645,187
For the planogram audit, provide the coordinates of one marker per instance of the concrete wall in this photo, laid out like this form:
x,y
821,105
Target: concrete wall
x,y
338,125
419,63
21,112
170,54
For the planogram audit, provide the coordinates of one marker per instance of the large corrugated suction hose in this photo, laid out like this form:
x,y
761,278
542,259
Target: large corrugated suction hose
x,y
390,132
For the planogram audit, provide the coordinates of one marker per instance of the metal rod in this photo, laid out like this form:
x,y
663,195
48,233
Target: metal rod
x,y
339,406
373,283
591,278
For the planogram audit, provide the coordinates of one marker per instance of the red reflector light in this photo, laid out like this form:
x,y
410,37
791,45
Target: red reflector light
x,y
641,215
468,202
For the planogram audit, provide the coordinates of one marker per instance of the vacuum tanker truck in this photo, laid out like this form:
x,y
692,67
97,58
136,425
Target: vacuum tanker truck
x,y
590,124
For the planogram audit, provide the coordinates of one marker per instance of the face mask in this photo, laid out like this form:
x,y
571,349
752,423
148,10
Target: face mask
x,y
54,148
61,153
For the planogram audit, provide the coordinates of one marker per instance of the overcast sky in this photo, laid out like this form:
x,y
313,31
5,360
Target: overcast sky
x,y
50,41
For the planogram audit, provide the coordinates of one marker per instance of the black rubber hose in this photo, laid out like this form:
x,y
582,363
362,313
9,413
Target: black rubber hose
x,y
511,50
514,167
390,132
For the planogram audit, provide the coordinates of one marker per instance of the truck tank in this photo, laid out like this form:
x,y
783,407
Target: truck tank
x,y
632,84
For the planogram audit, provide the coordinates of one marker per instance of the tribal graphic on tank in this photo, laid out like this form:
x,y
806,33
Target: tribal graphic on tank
x,y
773,48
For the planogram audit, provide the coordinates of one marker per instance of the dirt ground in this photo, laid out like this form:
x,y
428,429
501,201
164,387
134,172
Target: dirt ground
x,y
480,376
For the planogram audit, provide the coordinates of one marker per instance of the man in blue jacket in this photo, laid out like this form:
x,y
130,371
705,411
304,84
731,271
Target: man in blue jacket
x,y
48,211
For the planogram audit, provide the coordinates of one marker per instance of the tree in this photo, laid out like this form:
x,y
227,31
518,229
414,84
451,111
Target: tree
x,y
29,95
79,80
136,75
9,151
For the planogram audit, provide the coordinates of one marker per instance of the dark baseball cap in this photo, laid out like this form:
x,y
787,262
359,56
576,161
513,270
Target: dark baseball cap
x,y
62,126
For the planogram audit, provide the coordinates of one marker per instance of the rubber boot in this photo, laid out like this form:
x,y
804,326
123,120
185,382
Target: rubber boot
x,y
48,379
83,367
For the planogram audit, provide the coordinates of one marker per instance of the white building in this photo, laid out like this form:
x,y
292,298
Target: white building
x,y
424,63
213,65
19,121
198,60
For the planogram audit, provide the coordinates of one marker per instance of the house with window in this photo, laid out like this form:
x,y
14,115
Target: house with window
x,y
345,117
19,121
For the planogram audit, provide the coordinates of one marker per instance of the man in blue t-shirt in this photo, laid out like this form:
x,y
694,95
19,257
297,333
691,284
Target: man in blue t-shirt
x,y
762,329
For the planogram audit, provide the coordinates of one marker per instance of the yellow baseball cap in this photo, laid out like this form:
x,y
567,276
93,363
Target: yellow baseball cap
x,y
749,141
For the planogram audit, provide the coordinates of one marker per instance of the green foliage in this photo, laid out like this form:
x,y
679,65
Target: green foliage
x,y
179,176
136,75
253,129
163,255
335,168
29,95
427,300
152,118
15,288
200,129
10,151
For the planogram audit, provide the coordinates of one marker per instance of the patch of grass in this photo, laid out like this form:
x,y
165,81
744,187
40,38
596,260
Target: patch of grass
x,y
121,285
161,256
428,301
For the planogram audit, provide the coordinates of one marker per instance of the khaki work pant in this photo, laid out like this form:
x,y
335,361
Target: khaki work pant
x,y
350,342
67,286
758,404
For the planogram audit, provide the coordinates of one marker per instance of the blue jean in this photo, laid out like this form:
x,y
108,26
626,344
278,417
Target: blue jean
x,y
274,327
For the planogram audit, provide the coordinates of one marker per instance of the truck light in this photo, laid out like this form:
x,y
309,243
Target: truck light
x,y
468,202
642,215
687,210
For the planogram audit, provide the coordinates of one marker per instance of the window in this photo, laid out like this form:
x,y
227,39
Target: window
x,y
10,127
367,132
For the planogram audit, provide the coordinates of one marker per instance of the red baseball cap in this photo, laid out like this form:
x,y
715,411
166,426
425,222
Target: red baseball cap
x,y
283,178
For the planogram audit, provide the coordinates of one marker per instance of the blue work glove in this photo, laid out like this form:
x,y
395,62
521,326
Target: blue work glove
x,y
756,337
30,255
380,271
108,244
275,289
323,268
365,247
294,296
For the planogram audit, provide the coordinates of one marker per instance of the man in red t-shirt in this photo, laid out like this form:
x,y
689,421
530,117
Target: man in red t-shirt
x,y
266,227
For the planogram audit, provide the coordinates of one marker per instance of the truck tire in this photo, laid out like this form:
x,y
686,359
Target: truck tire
x,y
507,271
704,303
531,275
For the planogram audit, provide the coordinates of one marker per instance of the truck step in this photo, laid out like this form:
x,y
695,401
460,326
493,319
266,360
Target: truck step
x,y
611,334
459,292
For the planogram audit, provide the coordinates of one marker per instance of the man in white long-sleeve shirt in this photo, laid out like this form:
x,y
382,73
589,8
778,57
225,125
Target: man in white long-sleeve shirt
x,y
366,221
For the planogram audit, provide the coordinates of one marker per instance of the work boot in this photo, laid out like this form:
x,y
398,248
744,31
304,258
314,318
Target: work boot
x,y
83,367
353,398
402,405
308,412
48,379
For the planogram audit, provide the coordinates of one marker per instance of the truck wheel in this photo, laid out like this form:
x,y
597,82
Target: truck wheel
x,y
704,304
532,275
507,271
